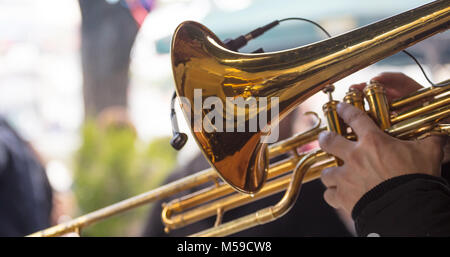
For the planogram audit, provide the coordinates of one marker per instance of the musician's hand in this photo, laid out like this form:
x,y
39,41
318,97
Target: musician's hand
x,y
374,158
397,85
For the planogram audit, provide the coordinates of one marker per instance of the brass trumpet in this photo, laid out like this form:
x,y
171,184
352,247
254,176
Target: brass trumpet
x,y
200,61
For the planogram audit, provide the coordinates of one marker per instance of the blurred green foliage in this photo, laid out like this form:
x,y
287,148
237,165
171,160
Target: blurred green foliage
x,y
112,165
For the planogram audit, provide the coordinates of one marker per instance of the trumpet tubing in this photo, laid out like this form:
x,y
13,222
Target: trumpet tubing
x,y
200,62
240,160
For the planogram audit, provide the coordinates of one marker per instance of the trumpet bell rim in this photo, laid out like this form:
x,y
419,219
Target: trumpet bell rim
x,y
240,159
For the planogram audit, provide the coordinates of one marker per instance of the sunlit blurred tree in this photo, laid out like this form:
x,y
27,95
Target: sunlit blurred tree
x,y
112,165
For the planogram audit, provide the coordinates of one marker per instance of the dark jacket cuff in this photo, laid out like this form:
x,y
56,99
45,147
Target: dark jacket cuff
x,y
384,187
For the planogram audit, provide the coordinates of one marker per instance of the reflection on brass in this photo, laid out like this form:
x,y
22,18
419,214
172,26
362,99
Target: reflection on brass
x,y
419,95
378,105
335,123
355,98
413,111
273,212
201,62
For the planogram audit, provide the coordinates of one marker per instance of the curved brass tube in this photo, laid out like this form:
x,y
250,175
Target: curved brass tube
x,y
273,212
419,95
234,200
165,191
419,124
201,62
199,178
432,105
217,191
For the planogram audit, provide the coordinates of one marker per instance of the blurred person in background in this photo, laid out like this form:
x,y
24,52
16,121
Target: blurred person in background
x,y
25,193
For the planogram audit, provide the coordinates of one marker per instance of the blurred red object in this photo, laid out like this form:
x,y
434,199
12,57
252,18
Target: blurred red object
x,y
139,9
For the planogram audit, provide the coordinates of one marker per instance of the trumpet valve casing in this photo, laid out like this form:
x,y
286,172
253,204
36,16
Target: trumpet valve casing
x,y
355,97
378,104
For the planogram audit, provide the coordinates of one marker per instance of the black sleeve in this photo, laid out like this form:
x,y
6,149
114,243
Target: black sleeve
x,y
3,158
409,205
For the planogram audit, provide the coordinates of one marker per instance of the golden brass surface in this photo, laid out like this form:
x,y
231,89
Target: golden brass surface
x,y
355,98
378,105
201,61
151,196
420,109
419,124
335,123
419,95
273,212
422,122
235,200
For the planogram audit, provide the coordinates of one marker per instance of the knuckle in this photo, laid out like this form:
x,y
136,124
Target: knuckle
x,y
350,153
348,176
436,150
371,138
338,194
353,115
326,138
354,160
353,156
385,76
358,86
326,176
328,196
325,172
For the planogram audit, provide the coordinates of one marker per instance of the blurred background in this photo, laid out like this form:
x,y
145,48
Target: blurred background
x,y
88,83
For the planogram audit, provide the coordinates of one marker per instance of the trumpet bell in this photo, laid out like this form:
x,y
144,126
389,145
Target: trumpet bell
x,y
201,62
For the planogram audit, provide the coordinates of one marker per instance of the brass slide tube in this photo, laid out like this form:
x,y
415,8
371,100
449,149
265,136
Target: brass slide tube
x,y
165,191
419,95
207,194
162,192
236,200
273,212
421,109
419,124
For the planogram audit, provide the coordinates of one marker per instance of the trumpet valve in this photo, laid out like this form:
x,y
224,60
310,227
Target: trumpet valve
x,y
329,89
355,97
378,104
334,122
